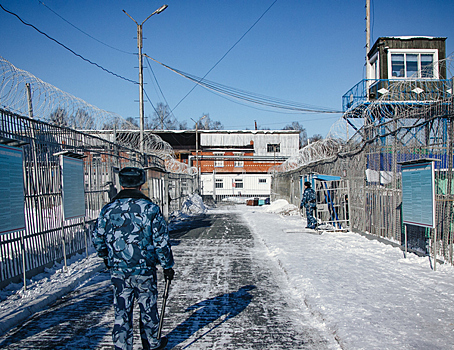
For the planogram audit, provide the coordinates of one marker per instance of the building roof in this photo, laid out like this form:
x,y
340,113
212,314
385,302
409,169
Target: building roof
x,y
409,37
381,39
249,131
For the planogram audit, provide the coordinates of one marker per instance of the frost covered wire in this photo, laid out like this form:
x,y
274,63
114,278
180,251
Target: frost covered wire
x,y
313,152
57,107
49,103
398,99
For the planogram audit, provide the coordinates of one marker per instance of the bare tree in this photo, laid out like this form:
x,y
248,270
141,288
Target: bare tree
x,y
82,120
208,124
162,118
301,129
130,120
59,117
315,138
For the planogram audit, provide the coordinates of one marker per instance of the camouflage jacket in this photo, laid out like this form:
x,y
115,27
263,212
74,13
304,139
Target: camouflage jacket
x,y
132,234
309,198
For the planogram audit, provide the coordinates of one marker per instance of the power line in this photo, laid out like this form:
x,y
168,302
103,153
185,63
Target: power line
x,y
250,96
228,51
159,86
67,48
265,109
281,123
80,30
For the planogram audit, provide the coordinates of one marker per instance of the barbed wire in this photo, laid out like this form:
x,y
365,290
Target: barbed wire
x,y
54,106
396,99
401,105
313,152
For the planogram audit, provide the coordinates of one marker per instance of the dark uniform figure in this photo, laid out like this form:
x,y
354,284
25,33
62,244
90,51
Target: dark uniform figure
x,y
132,237
309,202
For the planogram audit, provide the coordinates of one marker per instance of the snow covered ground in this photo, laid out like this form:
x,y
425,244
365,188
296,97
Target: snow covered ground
x,y
17,304
365,292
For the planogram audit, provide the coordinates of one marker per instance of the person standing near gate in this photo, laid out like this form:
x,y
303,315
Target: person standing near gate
x,y
309,202
131,236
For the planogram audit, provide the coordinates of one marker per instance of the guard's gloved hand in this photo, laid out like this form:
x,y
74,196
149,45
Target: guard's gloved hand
x,y
106,262
168,274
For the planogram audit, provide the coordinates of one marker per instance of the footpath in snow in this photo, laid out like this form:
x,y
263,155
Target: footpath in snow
x,y
365,292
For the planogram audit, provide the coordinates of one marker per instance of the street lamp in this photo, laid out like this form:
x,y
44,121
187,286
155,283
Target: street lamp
x,y
197,148
139,46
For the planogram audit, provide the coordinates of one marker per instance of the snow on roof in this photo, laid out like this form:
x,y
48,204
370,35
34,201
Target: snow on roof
x,y
410,37
250,131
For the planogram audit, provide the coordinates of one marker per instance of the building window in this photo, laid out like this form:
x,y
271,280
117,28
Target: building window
x,y
219,163
238,183
219,183
262,181
427,66
413,64
398,65
374,67
271,147
238,163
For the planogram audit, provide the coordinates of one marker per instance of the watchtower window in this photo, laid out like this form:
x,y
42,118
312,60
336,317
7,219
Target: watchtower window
x,y
413,65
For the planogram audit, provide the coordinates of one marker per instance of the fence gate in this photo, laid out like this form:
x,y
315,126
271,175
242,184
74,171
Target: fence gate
x,y
332,193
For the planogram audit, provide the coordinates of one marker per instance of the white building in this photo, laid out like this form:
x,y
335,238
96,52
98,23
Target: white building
x,y
236,162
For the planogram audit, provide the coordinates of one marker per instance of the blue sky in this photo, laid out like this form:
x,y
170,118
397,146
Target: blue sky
x,y
310,52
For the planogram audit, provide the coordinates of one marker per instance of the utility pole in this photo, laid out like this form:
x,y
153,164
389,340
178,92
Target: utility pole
x,y
139,46
29,98
368,67
197,149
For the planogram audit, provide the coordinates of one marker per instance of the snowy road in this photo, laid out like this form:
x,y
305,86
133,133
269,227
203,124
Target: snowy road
x,y
227,294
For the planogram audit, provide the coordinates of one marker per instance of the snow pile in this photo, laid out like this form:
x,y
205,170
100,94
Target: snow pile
x,y
238,200
193,205
282,207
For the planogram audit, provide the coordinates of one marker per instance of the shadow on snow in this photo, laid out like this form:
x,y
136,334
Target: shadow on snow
x,y
73,322
223,308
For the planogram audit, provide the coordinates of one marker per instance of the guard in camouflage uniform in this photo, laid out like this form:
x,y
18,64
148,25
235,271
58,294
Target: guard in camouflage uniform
x,y
132,237
309,202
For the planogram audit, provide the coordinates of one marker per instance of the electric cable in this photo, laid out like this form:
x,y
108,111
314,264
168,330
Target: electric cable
x,y
80,30
250,96
67,48
228,51
159,86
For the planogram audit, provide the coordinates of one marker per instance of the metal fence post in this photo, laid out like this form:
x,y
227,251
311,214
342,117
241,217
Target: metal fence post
x,y
23,259
165,197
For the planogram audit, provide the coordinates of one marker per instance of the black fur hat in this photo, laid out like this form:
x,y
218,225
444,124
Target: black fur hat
x,y
132,177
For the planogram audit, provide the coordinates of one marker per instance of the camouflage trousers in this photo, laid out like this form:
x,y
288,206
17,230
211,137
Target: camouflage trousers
x,y
311,221
143,288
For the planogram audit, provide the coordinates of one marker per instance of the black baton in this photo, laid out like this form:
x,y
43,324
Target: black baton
x,y
164,302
